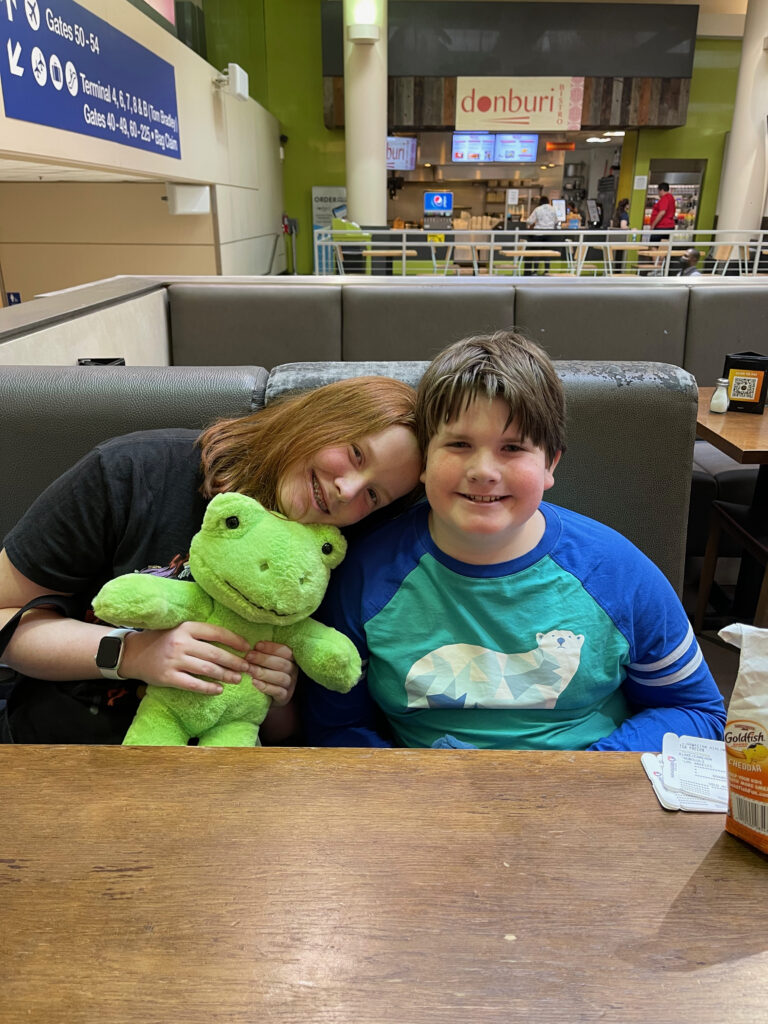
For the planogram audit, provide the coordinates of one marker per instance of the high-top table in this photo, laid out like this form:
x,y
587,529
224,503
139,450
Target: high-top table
x,y
323,886
742,435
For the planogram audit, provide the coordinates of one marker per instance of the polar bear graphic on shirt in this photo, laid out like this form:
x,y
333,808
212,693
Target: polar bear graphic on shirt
x,y
469,676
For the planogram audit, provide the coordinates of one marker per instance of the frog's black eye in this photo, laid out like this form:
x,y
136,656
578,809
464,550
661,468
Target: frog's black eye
x,y
232,522
327,548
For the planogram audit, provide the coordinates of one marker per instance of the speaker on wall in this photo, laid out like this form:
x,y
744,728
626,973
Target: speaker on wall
x,y
188,199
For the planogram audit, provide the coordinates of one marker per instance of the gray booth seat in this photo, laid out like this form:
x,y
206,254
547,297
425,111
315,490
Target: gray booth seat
x,y
50,416
630,433
722,320
238,324
582,321
716,476
416,321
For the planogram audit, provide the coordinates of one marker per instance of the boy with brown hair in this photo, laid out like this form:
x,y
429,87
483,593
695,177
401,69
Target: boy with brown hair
x,y
487,617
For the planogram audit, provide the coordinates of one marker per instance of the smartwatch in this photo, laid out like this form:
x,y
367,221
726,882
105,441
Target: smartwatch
x,y
110,652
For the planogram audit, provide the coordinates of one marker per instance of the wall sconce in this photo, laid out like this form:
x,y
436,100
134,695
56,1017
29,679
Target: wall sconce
x,y
363,33
233,80
364,19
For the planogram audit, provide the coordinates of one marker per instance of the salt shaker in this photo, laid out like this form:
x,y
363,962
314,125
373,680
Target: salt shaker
x,y
719,400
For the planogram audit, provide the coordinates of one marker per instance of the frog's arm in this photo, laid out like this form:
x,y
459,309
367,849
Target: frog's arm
x,y
151,602
324,654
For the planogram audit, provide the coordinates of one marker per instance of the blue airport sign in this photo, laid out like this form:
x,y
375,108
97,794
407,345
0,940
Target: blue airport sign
x,y
63,67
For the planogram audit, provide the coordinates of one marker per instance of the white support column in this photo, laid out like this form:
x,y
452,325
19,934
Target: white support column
x,y
365,109
745,172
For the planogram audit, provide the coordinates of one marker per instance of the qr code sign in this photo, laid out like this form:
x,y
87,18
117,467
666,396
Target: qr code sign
x,y
744,389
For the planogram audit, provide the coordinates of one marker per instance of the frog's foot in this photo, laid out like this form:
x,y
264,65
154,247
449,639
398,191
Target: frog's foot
x,y
231,734
155,725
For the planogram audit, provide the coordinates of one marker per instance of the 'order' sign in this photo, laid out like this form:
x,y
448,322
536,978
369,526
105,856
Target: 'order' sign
x,y
504,104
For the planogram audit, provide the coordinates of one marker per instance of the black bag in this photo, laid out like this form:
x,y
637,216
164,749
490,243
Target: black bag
x,y
93,711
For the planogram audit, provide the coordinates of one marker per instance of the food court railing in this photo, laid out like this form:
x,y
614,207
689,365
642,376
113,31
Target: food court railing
x,y
519,252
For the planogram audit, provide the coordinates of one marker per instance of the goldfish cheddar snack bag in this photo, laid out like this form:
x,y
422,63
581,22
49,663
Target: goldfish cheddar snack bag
x,y
746,737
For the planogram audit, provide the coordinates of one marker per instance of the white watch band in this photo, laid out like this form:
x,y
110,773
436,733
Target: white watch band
x,y
121,633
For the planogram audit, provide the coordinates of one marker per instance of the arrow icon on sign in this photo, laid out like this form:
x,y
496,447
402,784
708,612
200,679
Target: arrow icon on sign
x,y
13,59
10,4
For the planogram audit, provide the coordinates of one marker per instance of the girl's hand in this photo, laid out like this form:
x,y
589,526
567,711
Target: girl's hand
x,y
179,657
274,671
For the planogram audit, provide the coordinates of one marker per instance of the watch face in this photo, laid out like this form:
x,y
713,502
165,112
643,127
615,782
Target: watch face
x,y
109,651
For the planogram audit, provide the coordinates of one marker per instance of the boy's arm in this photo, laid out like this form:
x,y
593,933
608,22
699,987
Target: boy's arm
x,y
693,708
668,685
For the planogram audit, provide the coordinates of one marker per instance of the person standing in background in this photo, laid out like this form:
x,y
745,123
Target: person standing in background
x,y
620,220
621,217
543,218
573,218
662,214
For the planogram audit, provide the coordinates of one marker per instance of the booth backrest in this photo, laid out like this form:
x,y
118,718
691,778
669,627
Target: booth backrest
x,y
630,430
689,322
692,326
721,321
231,323
584,321
416,321
50,416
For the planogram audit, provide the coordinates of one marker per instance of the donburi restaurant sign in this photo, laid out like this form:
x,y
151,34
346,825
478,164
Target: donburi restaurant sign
x,y
506,104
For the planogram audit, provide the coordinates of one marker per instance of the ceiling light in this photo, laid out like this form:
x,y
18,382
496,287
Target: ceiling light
x,y
364,22
614,134
596,138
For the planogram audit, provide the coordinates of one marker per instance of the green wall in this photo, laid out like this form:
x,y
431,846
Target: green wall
x,y
702,137
278,43
234,33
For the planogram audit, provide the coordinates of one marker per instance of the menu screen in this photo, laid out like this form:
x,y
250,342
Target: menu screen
x,y
401,153
488,148
514,148
559,205
472,148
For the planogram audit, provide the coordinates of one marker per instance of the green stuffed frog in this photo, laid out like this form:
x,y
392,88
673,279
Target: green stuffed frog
x,y
258,574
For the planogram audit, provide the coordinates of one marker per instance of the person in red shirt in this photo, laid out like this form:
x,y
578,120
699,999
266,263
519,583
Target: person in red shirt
x,y
663,214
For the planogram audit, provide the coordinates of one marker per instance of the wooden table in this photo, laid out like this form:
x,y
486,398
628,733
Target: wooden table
x,y
368,886
475,257
389,252
518,255
742,435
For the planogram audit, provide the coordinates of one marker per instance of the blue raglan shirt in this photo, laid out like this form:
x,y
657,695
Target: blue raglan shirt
x,y
580,644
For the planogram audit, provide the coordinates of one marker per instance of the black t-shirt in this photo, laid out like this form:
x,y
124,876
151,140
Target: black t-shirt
x,y
131,502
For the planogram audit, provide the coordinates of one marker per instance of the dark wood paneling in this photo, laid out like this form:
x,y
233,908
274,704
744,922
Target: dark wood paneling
x,y
417,103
